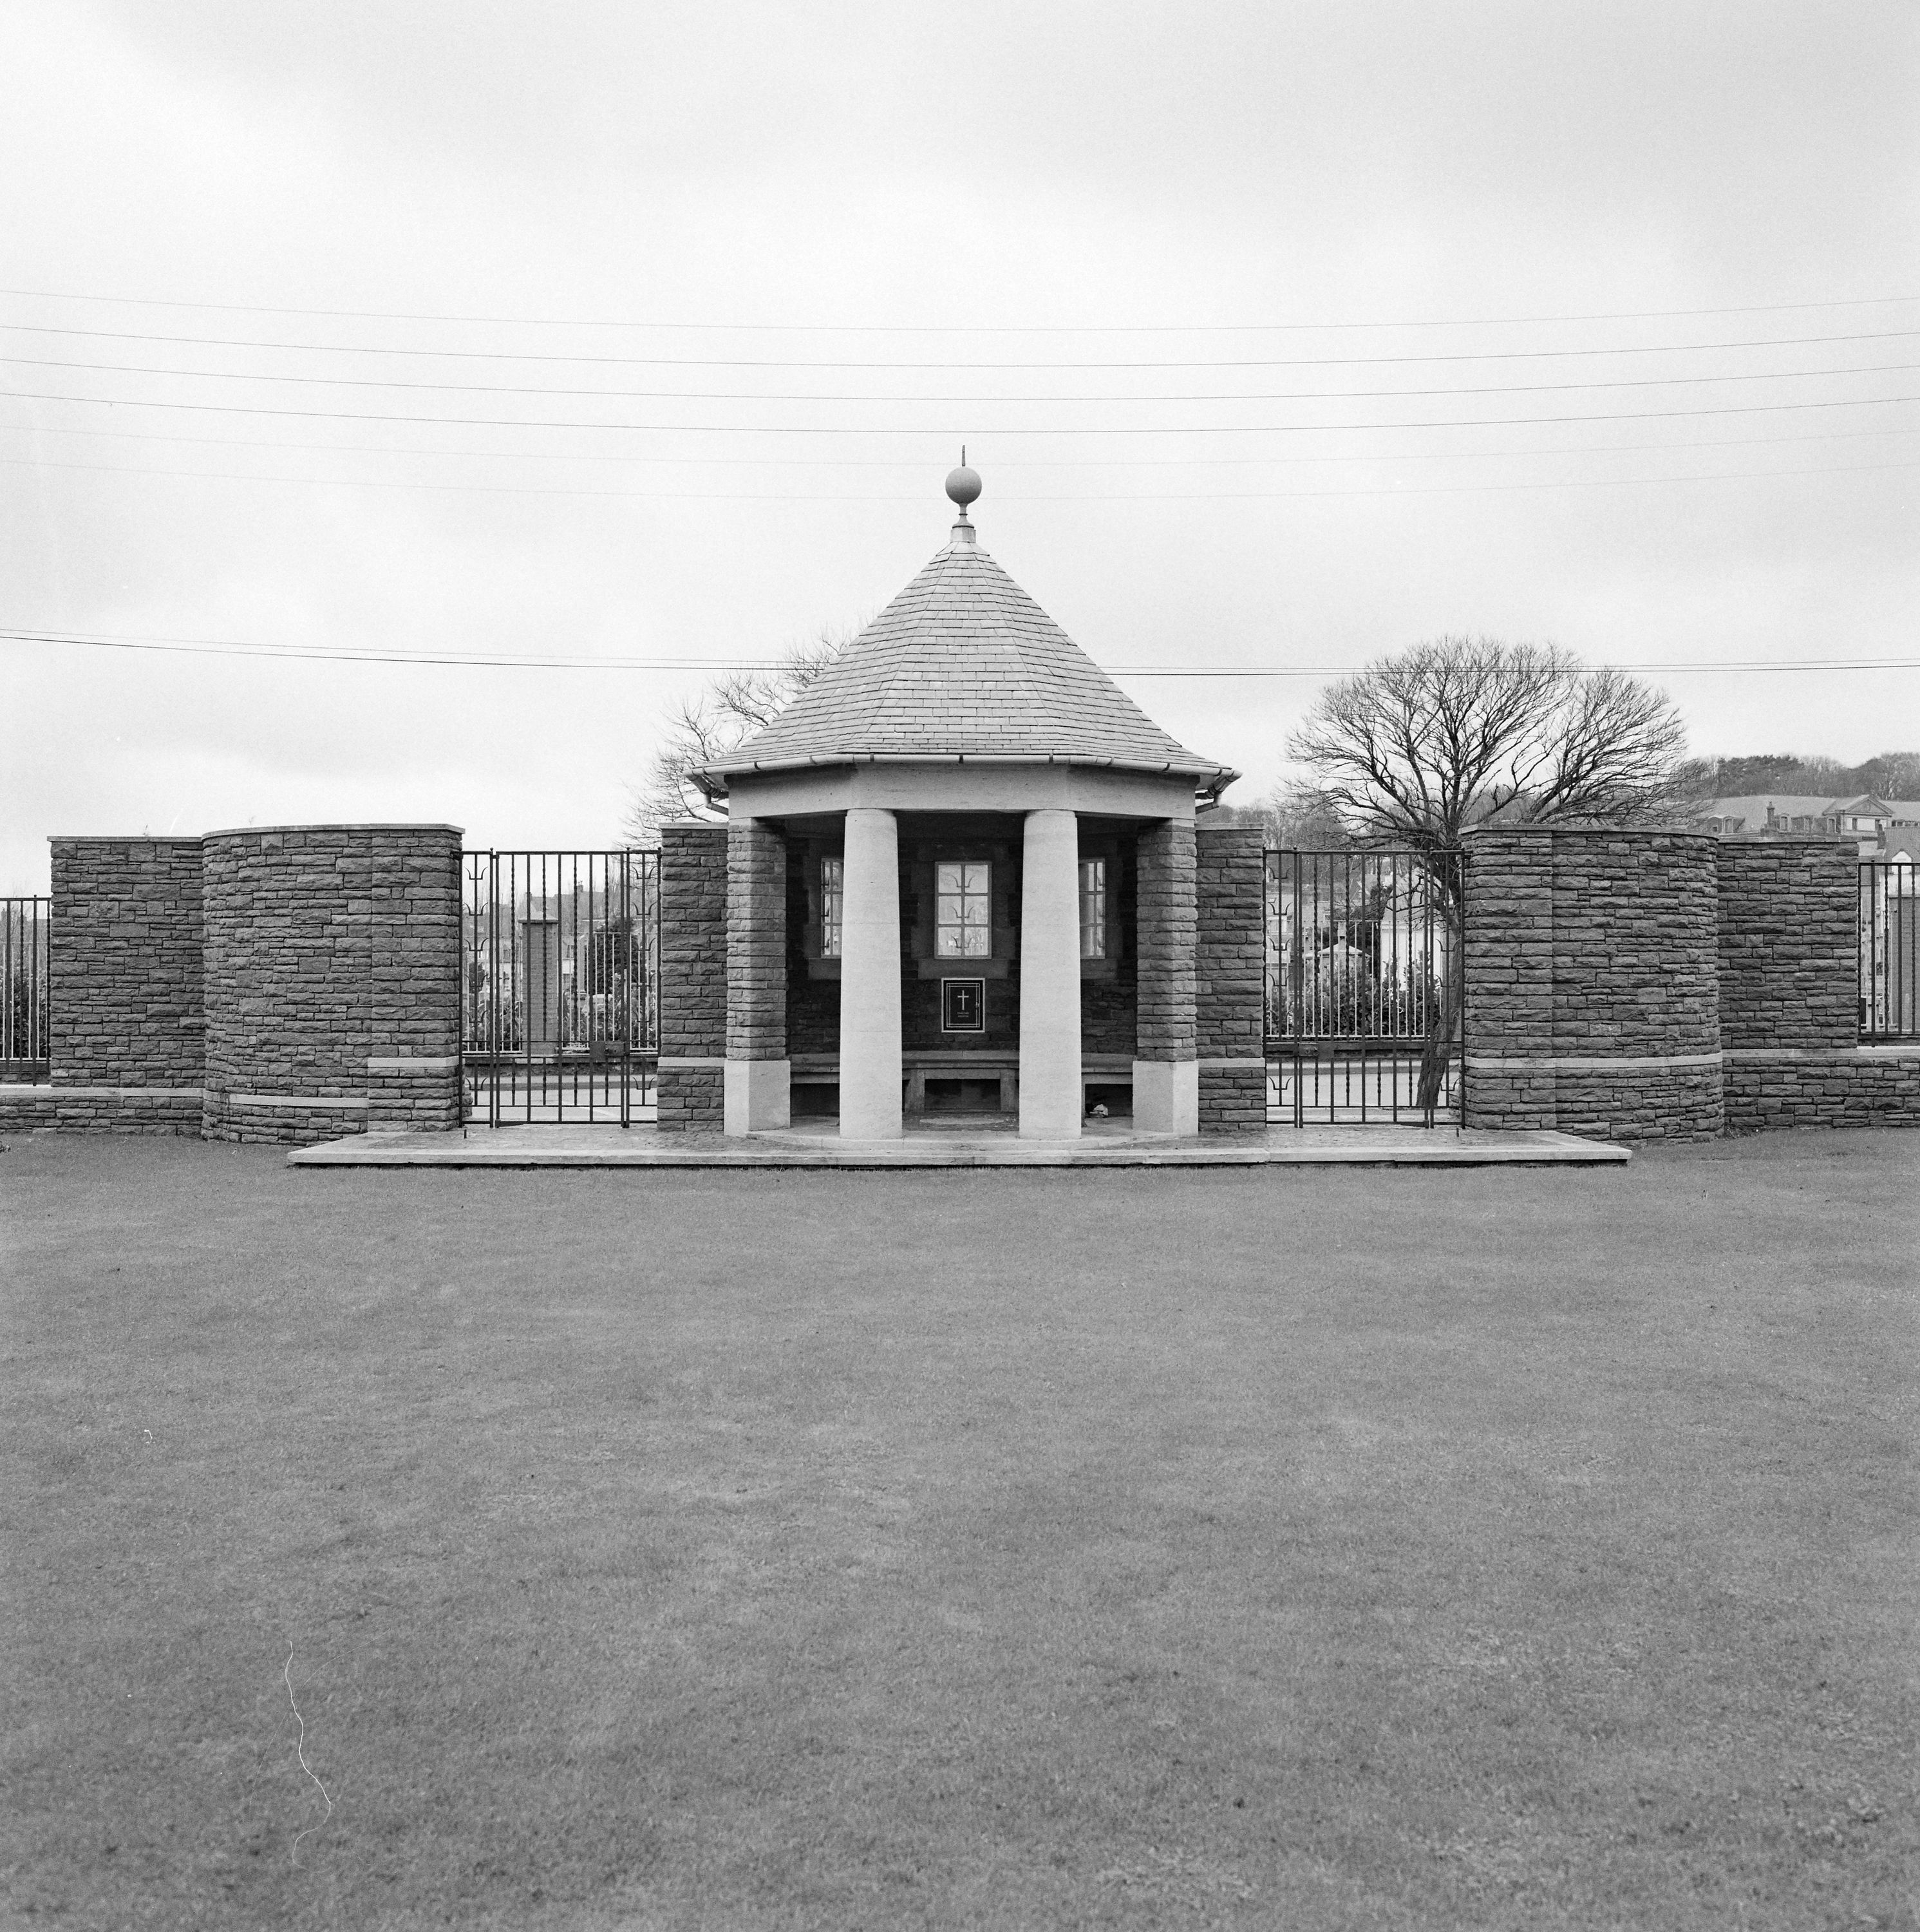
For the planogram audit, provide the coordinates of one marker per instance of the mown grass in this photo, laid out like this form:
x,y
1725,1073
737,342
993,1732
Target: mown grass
x,y
1329,1548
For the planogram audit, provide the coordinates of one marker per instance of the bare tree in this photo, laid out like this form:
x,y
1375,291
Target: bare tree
x,y
732,708
1418,749
1298,815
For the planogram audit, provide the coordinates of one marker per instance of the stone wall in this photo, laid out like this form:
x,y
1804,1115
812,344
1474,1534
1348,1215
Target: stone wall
x,y
1790,994
921,970
1229,977
1789,944
127,1041
1593,984
127,1031
693,976
333,981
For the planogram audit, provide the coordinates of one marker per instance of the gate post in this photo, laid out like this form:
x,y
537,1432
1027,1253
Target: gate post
x,y
1230,977
693,976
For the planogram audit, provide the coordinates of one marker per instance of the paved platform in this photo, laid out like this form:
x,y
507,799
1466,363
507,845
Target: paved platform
x,y
820,1146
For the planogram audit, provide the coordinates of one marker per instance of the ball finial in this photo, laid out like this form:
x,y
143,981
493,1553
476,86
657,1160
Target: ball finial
x,y
963,485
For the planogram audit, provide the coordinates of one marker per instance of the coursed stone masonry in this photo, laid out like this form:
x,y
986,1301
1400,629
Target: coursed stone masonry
x,y
1593,984
1164,931
693,976
1229,977
1790,994
128,1037
333,981
756,942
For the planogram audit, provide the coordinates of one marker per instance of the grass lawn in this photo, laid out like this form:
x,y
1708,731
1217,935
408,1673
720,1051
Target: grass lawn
x,y
1260,1548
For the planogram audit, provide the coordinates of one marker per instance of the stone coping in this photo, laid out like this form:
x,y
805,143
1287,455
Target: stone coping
x,y
378,825
641,1147
234,832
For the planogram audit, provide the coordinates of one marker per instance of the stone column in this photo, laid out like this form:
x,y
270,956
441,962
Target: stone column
x,y
1051,1100
870,978
759,1090
1166,1074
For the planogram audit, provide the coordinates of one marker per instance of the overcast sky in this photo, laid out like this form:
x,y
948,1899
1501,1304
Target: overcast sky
x,y
734,196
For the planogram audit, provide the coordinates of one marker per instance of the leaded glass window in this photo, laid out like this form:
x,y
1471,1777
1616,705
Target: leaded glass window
x,y
1093,908
832,902
963,918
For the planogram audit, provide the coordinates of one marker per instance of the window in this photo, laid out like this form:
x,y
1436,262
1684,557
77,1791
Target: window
x,y
1093,908
963,919
832,900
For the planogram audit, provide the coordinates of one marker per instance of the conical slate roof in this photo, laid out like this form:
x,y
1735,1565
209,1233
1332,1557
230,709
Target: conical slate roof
x,y
964,664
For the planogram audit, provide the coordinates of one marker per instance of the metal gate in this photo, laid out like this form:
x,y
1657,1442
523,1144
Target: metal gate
x,y
559,986
1364,987
1889,930
25,925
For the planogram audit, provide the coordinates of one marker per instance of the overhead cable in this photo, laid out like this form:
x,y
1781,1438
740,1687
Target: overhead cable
x,y
945,430
901,496
918,465
790,362
239,647
965,402
963,328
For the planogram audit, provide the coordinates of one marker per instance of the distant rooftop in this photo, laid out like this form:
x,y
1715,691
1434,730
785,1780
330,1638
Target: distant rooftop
x,y
1754,808
964,664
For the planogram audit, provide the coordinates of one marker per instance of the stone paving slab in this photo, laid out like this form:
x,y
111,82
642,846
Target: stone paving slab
x,y
595,1146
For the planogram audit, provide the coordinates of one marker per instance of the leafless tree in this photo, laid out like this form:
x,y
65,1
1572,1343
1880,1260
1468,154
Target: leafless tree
x,y
732,708
1418,749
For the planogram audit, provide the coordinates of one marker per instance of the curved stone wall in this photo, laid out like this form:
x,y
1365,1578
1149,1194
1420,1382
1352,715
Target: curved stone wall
x,y
1592,988
332,980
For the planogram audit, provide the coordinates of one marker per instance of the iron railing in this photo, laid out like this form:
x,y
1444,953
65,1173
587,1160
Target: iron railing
x,y
25,1007
559,986
1889,942
1364,987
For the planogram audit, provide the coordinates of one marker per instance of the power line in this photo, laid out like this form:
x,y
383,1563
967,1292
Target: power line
x,y
960,328
946,429
918,465
899,497
823,397
738,362
238,647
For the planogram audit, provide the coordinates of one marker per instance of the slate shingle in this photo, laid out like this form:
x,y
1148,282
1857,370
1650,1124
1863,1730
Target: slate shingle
x,y
964,661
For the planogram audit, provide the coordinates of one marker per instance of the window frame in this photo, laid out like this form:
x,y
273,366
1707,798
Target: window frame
x,y
1095,942
833,903
983,894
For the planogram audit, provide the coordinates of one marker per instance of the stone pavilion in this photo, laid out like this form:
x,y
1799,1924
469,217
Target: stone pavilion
x,y
959,879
